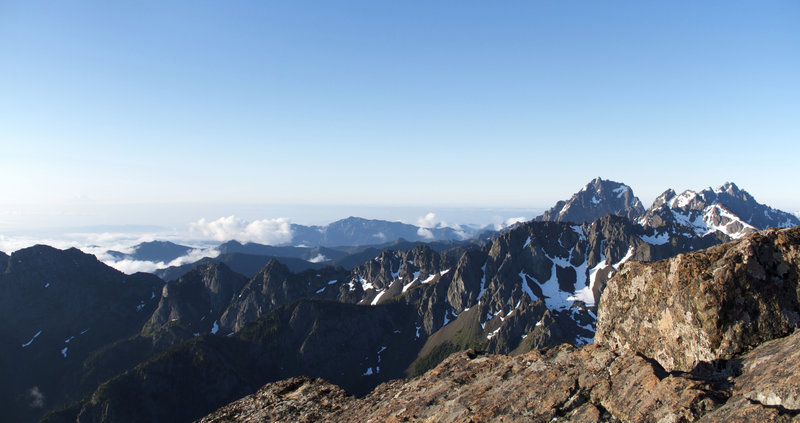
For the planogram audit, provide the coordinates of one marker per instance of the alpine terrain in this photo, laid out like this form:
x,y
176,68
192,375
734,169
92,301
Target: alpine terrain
x,y
543,310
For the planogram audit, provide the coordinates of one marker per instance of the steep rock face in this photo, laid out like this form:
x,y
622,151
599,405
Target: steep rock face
x,y
533,286
275,285
537,284
705,306
596,199
197,299
727,210
392,273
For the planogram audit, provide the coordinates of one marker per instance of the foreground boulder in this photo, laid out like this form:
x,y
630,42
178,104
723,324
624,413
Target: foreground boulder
x,y
711,305
707,336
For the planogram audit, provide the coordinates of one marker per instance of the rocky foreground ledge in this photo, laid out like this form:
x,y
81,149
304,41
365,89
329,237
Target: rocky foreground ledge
x,y
707,336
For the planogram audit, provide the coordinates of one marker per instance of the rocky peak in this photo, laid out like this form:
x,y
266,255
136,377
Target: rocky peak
x,y
276,285
728,210
731,189
599,197
664,198
391,266
197,299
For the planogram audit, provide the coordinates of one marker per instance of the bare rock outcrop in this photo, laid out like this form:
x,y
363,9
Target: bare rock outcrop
x,y
299,399
564,384
705,306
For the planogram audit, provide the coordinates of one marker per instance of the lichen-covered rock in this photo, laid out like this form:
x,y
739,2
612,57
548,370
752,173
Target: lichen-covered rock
x,y
705,306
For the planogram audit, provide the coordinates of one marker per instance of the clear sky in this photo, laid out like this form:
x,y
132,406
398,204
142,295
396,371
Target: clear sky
x,y
212,108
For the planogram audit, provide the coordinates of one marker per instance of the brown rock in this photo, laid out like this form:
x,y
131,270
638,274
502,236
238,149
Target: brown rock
x,y
768,388
299,399
561,384
705,306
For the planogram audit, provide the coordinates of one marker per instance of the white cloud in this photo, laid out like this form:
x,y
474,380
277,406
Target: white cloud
x,y
318,259
132,266
427,221
425,233
266,231
194,255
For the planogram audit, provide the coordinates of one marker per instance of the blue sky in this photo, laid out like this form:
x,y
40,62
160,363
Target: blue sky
x,y
114,112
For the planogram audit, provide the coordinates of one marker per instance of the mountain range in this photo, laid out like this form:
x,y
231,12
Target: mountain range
x,y
667,349
176,350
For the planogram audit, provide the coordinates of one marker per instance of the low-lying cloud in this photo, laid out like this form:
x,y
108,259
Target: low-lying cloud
x,y
36,396
129,266
266,231
319,258
425,233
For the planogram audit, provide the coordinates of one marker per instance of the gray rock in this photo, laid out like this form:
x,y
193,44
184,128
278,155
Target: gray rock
x,y
598,198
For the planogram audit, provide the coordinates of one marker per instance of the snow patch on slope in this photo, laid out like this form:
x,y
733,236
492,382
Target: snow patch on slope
x,y
656,239
36,335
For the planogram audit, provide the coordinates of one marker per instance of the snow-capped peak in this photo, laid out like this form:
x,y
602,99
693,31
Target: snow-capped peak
x,y
726,209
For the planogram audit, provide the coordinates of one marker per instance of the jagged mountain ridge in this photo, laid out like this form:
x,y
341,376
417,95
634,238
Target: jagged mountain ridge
x,y
750,376
508,296
191,301
596,199
249,258
727,209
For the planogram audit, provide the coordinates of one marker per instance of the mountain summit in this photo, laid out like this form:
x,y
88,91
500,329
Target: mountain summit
x,y
727,209
598,198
